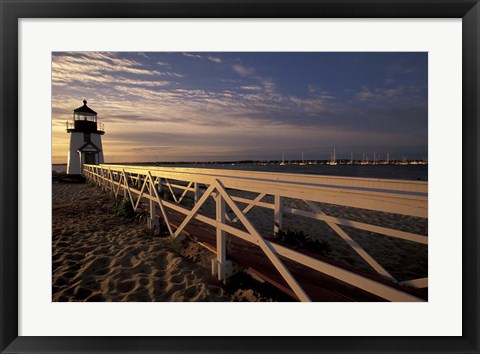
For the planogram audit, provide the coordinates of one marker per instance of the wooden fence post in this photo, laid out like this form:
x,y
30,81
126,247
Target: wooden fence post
x,y
221,237
278,214
196,192
139,181
154,224
125,184
159,186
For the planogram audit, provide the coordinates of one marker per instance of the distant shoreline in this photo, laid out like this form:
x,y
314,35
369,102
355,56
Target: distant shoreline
x,y
289,162
412,172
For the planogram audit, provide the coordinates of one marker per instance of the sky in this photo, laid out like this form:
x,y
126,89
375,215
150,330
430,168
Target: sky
x,y
224,106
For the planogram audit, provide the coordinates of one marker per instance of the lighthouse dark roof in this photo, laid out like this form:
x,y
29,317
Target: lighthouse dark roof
x,y
89,146
85,109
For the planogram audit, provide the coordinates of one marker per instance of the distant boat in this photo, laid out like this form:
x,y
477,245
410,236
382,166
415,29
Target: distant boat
x,y
303,161
333,161
404,161
351,159
387,161
283,160
364,160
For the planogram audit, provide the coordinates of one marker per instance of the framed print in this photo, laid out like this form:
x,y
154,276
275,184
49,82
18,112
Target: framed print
x,y
164,165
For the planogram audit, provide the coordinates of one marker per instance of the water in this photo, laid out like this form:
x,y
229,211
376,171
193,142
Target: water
x,y
59,167
403,172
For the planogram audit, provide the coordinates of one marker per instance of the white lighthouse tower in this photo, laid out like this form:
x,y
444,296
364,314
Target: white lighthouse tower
x,y
85,140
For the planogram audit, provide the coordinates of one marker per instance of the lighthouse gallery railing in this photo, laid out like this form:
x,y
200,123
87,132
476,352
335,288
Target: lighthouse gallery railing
x,y
391,196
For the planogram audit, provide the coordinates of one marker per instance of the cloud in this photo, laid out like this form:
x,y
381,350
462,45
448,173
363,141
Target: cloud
x,y
168,73
268,85
367,94
192,55
103,68
67,67
243,70
385,94
172,74
97,62
214,59
251,88
63,79
203,57
308,106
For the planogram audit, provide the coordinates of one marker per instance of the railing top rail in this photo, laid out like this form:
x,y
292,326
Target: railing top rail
x,y
343,181
370,194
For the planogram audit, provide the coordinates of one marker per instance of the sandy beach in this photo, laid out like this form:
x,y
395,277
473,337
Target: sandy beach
x,y
98,256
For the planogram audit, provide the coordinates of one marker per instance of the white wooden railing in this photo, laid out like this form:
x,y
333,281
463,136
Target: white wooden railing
x,y
391,196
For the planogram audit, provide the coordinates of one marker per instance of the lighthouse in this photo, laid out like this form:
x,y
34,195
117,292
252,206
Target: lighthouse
x,y
85,140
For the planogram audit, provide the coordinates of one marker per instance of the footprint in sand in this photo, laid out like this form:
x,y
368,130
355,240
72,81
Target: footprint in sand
x,y
88,249
100,251
60,281
58,257
216,291
126,286
76,257
62,244
144,282
57,266
62,298
138,297
135,261
81,293
98,266
73,266
177,296
158,287
96,298
192,292
68,275
177,279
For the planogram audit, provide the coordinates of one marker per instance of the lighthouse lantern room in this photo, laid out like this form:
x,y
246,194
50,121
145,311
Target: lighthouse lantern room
x,y
85,140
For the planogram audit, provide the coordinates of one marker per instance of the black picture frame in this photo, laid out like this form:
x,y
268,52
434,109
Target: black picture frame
x,y
12,11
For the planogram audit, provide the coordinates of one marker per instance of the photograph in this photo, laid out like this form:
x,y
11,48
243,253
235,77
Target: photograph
x,y
164,163
239,176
